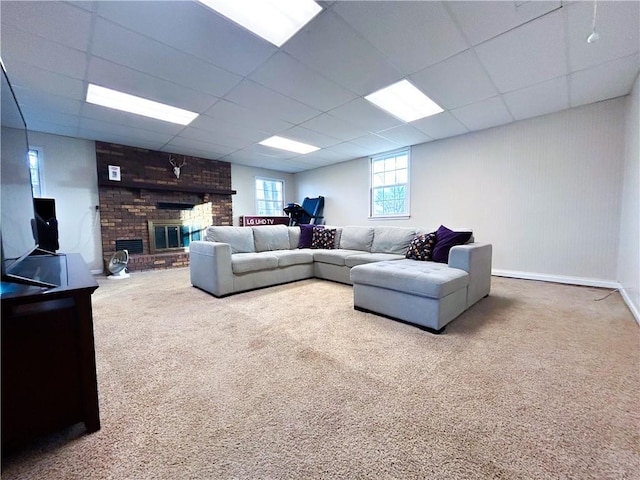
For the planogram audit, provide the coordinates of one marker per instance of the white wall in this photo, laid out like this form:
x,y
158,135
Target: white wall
x,y
69,176
629,251
544,191
243,182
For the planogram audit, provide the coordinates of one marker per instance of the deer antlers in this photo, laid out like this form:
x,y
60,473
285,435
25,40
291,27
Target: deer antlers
x,y
176,168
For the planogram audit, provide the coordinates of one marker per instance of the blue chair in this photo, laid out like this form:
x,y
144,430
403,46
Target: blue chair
x,y
309,212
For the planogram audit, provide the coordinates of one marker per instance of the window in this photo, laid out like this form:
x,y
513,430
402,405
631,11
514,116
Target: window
x,y
34,169
390,184
269,196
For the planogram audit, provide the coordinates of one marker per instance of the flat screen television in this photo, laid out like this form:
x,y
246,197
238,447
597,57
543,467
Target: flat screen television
x,y
18,229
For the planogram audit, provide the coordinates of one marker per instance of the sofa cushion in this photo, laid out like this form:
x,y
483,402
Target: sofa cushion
x,y
323,238
357,238
251,262
306,235
271,237
445,239
392,239
421,247
334,257
425,279
293,257
294,237
362,258
240,238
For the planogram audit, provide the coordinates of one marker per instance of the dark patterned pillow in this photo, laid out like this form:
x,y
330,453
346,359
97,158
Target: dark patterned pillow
x,y
421,247
323,238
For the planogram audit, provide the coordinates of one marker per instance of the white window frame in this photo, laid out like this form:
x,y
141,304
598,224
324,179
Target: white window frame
x,y
257,199
383,156
40,187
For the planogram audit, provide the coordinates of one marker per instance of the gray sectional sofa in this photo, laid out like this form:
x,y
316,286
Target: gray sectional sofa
x,y
236,259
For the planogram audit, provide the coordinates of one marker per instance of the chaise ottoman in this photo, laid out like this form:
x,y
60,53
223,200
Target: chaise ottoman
x,y
426,294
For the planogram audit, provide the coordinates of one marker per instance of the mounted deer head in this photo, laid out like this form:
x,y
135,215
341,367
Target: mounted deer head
x,y
176,168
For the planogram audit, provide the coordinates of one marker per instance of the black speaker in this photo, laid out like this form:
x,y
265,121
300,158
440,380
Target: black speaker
x,y
45,207
46,224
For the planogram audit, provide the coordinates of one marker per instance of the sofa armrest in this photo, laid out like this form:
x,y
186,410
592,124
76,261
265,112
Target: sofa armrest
x,y
210,267
475,259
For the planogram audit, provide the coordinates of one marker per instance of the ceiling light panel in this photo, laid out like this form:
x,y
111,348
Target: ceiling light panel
x,y
137,105
274,20
288,144
404,101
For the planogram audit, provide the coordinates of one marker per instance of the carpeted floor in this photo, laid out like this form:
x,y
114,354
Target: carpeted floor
x,y
537,381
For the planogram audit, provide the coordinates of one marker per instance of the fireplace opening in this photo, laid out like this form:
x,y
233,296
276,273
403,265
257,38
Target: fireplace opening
x,y
171,235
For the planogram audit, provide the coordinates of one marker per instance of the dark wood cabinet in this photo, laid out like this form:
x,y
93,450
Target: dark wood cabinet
x,y
48,357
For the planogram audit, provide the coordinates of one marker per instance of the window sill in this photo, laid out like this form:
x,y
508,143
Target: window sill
x,y
390,217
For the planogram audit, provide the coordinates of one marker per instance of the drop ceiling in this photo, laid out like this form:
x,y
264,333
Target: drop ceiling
x,y
486,63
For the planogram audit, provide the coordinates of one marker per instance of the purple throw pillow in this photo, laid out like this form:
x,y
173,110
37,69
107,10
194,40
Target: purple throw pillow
x,y
445,239
306,235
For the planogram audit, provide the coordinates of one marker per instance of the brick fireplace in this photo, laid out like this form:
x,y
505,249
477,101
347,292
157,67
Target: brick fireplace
x,y
146,209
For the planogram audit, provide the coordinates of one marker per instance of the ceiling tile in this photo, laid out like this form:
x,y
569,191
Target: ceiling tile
x,y
86,5
112,42
424,24
334,49
218,127
131,140
546,97
292,78
183,144
527,55
373,143
56,21
37,100
33,78
191,150
55,128
259,151
18,45
605,81
305,135
481,21
195,29
133,82
485,114
108,129
455,82
35,117
351,150
265,101
618,24
440,126
111,116
334,127
244,117
321,157
405,135
364,114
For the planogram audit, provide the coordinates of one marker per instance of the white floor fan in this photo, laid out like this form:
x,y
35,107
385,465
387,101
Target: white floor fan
x,y
118,265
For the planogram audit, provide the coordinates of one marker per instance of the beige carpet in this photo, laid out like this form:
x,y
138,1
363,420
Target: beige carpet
x,y
537,381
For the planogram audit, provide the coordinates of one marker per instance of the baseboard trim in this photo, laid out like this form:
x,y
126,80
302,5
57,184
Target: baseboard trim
x,y
632,307
97,272
588,282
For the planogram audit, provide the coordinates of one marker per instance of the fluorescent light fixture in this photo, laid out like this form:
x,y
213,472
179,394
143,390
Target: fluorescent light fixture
x,y
274,20
404,101
287,144
140,106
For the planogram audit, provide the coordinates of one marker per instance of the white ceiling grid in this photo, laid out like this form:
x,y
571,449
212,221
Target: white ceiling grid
x,y
486,63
